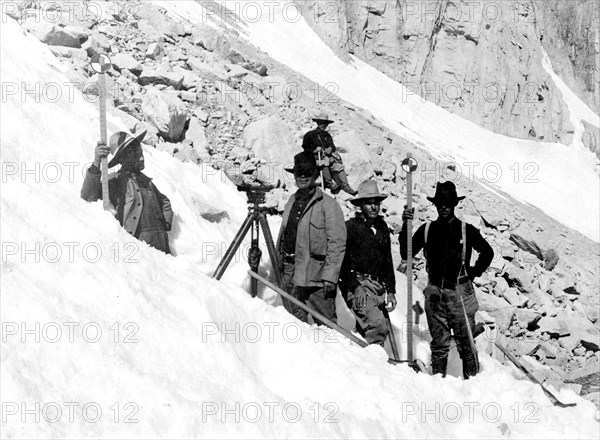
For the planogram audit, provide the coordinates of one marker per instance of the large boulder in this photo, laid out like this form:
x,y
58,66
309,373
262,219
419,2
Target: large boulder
x,y
272,141
536,243
155,77
581,332
97,43
53,35
206,37
205,70
122,61
190,79
588,377
166,112
350,142
196,134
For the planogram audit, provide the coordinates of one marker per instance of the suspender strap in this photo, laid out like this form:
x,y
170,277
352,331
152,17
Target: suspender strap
x,y
463,226
427,225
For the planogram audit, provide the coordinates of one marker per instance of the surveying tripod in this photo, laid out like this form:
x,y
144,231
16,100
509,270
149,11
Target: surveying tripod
x,y
254,221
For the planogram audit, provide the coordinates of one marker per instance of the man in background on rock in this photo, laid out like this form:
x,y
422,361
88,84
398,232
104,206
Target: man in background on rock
x,y
320,143
140,208
311,243
449,295
367,278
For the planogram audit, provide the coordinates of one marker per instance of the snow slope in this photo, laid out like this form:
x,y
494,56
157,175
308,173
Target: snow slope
x,y
560,180
104,337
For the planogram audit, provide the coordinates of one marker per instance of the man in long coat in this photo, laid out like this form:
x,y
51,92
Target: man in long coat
x,y
311,242
140,208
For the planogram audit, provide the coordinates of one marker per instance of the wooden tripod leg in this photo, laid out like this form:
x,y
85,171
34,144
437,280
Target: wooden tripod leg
x,y
235,244
272,251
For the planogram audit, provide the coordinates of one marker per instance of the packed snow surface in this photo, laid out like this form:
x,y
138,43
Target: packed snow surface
x,y
104,337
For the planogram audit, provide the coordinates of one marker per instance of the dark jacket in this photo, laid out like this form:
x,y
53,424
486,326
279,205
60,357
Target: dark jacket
x,y
444,251
318,138
320,242
125,195
367,253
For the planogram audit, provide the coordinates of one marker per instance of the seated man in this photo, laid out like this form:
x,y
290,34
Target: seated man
x,y
140,208
367,276
320,142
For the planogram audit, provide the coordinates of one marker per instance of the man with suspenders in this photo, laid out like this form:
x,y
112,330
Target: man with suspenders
x,y
450,302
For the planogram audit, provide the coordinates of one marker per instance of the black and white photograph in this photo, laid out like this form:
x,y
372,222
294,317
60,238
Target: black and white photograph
x,y
308,219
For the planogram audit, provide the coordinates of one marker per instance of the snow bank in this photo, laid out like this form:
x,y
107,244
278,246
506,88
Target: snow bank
x,y
104,337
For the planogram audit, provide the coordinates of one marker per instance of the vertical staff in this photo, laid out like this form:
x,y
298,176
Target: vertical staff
x,y
409,165
101,64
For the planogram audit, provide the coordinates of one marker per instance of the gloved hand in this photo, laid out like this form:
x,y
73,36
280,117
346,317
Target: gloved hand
x,y
360,297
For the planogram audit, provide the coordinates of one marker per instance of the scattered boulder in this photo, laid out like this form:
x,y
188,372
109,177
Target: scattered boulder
x,y
97,43
535,243
350,142
258,68
528,318
588,377
69,52
166,112
122,61
52,35
210,213
210,73
555,327
205,37
581,332
155,77
514,298
186,153
271,140
196,134
155,51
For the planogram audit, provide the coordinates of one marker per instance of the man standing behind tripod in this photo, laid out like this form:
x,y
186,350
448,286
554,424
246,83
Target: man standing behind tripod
x,y
311,243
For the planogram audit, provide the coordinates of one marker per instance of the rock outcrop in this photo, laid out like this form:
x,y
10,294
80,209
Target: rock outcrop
x,y
480,60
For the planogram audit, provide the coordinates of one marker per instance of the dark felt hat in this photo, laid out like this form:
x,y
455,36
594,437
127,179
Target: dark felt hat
x,y
445,192
304,164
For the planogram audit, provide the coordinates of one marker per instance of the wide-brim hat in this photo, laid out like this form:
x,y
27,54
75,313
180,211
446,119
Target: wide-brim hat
x,y
367,190
304,163
446,192
323,117
119,142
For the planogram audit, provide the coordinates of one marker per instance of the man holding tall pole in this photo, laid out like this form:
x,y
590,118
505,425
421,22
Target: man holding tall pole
x,y
450,302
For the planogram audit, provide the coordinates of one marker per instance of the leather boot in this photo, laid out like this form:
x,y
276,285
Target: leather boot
x,y
341,178
328,182
439,364
470,365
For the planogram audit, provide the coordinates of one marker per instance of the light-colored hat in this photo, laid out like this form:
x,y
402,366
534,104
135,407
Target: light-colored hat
x,y
118,144
323,117
367,190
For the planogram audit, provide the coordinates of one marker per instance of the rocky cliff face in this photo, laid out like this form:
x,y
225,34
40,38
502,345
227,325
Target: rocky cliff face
x,y
480,60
